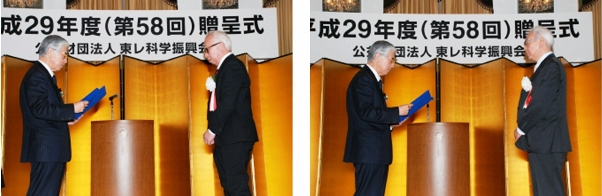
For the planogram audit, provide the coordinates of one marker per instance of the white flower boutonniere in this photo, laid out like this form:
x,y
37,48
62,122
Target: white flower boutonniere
x,y
526,84
61,92
210,84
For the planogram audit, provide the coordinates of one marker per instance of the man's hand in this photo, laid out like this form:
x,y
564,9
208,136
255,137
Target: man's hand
x,y
516,135
208,137
397,125
404,109
75,121
404,120
80,106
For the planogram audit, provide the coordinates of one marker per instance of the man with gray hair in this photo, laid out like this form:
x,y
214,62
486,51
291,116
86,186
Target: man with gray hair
x,y
542,129
46,119
370,121
230,120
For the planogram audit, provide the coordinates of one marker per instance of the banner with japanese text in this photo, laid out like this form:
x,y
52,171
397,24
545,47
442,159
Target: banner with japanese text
x,y
98,35
466,39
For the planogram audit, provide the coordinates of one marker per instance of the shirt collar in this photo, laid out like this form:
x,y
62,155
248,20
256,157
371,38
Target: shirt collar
x,y
540,60
374,72
47,68
223,58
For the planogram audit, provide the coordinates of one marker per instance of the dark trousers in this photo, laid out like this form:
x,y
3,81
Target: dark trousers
x,y
546,173
370,179
45,178
232,161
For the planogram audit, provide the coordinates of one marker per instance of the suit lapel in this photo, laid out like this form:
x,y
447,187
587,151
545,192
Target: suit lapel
x,y
49,80
375,83
218,79
544,63
523,95
223,67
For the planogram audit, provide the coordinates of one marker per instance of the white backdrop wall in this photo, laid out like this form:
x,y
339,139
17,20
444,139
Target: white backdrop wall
x,y
461,38
98,35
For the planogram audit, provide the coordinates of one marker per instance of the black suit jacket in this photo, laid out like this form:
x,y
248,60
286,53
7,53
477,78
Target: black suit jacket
x,y
544,121
369,120
46,136
232,121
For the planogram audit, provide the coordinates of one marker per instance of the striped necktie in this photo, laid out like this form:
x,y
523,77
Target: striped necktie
x,y
528,100
213,102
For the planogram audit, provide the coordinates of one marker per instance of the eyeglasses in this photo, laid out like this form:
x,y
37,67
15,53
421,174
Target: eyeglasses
x,y
207,48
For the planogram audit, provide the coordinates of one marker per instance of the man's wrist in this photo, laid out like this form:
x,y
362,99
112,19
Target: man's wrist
x,y
519,131
209,130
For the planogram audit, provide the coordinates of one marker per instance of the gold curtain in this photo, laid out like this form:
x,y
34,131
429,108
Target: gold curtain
x,y
403,94
12,126
585,160
335,177
273,117
315,123
204,176
158,92
474,95
484,96
77,178
173,95
507,170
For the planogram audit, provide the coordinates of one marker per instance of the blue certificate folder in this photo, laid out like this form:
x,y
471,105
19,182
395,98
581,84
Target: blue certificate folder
x,y
418,103
93,98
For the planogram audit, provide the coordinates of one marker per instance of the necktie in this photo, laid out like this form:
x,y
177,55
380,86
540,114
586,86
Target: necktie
x,y
213,104
528,100
54,79
380,84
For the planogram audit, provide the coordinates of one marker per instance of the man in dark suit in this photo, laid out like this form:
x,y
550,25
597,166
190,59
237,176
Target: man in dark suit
x,y
46,119
370,121
231,126
542,123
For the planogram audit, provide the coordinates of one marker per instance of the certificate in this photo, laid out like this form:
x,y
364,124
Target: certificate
x,y
418,103
93,98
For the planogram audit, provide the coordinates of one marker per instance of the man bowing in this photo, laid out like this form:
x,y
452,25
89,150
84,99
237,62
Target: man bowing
x,y
231,126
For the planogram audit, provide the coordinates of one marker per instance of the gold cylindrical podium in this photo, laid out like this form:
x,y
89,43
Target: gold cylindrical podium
x,y
438,159
123,158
